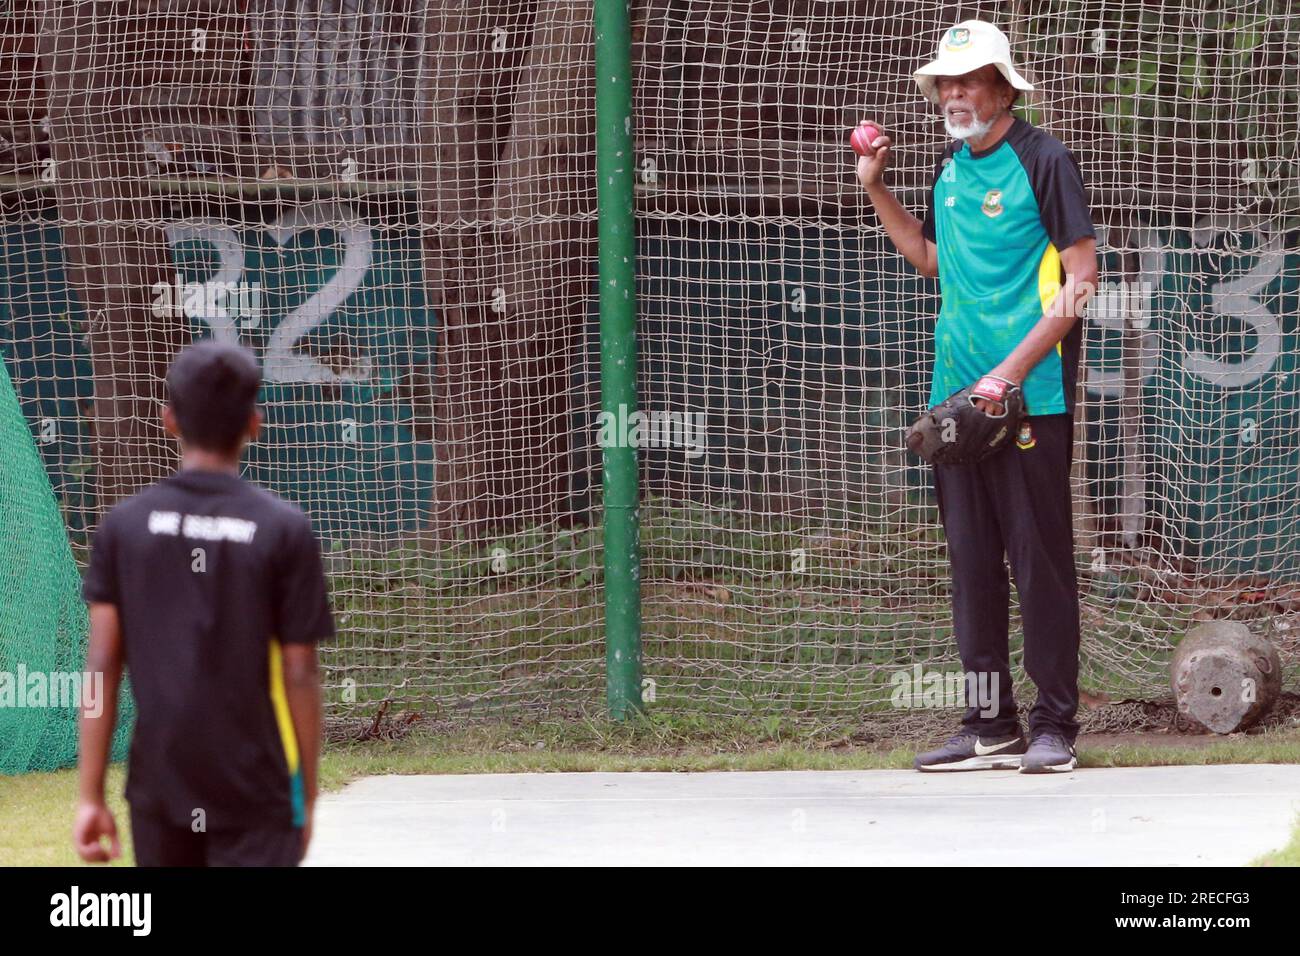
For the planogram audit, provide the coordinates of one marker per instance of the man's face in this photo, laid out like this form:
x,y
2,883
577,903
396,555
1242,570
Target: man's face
x,y
972,102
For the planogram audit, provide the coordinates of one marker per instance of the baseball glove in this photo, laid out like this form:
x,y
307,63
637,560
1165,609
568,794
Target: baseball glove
x,y
955,432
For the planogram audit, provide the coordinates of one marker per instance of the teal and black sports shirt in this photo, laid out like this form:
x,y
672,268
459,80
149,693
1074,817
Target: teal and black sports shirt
x,y
998,218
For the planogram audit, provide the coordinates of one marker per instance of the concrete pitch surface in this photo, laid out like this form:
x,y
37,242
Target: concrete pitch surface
x,y
1177,816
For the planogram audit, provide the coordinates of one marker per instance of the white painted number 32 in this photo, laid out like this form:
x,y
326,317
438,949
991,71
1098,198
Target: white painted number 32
x,y
283,362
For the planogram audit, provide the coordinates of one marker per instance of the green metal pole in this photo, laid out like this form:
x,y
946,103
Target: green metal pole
x,y
617,233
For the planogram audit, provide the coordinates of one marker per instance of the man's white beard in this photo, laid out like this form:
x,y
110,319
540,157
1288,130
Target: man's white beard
x,y
973,130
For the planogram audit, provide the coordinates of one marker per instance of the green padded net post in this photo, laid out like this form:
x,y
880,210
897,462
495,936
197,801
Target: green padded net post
x,y
43,622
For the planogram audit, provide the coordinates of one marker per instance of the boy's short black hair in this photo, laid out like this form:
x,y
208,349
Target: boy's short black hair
x,y
212,389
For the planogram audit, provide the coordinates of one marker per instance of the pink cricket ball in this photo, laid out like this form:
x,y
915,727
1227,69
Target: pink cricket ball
x,y
863,135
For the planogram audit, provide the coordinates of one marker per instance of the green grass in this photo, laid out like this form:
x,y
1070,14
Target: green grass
x,y
1289,855
36,812
728,644
36,809
678,744
742,613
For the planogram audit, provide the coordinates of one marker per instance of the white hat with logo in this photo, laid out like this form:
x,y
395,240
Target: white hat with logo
x,y
968,46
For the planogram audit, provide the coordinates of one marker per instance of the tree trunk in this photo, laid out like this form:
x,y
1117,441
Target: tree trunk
x,y
545,214
98,59
474,56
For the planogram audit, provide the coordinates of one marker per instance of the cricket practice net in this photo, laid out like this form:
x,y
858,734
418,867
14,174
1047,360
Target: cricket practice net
x,y
393,203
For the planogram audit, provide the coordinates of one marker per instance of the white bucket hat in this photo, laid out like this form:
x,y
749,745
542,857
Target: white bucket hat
x,y
968,46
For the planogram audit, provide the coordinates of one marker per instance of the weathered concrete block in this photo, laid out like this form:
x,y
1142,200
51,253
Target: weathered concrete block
x,y
1225,677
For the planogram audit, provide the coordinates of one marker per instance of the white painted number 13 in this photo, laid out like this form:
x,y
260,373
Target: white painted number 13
x,y
1236,297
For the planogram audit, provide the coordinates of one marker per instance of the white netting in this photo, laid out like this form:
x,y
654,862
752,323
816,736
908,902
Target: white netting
x,y
393,202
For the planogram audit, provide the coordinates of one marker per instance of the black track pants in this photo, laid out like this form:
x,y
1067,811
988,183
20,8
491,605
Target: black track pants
x,y
1016,503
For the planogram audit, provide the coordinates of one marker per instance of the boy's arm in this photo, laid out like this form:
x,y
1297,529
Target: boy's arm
x,y
304,619
98,718
302,690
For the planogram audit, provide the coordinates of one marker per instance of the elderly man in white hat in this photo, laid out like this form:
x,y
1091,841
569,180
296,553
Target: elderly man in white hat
x,y
1009,234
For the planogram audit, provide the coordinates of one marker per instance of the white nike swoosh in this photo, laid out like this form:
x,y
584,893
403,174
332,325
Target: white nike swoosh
x,y
982,751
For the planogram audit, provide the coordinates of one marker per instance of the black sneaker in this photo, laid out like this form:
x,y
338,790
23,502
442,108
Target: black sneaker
x,y
1049,753
969,751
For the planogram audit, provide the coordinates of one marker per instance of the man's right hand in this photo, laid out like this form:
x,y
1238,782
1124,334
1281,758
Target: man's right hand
x,y
872,168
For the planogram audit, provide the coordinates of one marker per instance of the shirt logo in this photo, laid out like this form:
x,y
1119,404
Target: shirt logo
x,y
958,37
202,527
992,203
1025,439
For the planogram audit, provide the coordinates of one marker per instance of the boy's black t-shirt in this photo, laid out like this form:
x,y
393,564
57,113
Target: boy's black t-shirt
x,y
210,574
